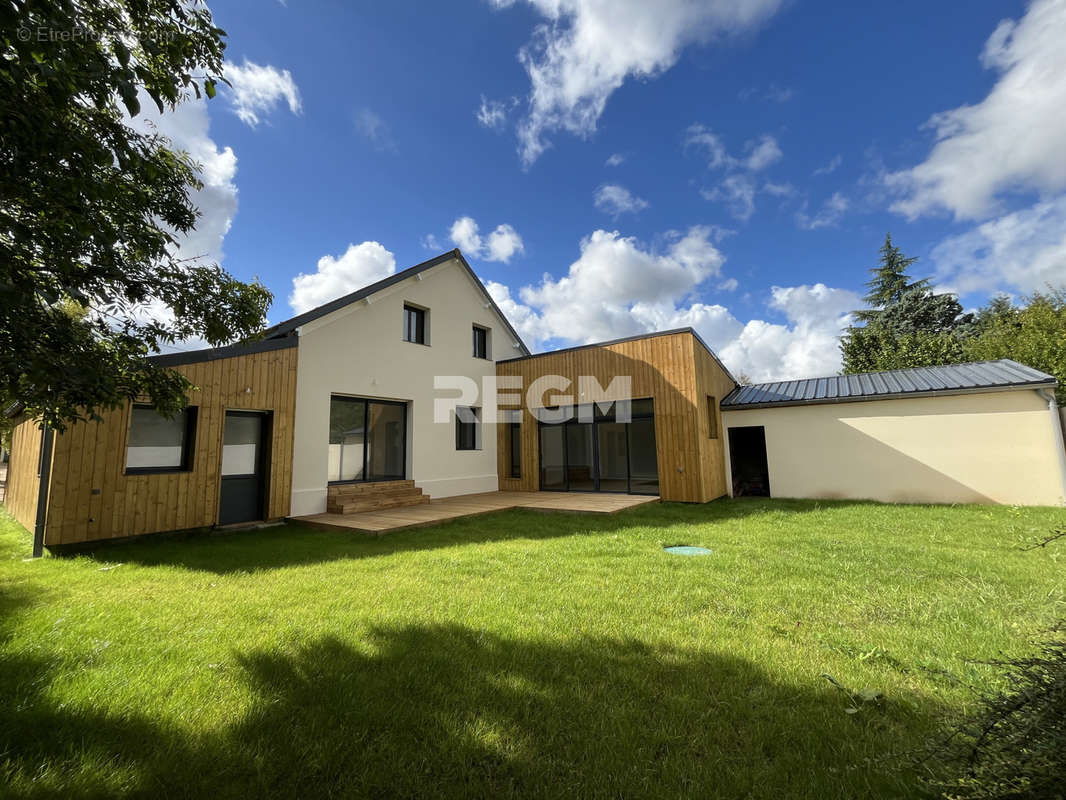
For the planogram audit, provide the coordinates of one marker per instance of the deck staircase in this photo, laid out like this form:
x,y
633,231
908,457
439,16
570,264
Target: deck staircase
x,y
353,498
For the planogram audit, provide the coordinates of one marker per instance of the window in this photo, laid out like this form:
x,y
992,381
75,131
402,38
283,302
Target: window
x,y
712,418
414,324
481,342
513,419
367,440
157,444
467,428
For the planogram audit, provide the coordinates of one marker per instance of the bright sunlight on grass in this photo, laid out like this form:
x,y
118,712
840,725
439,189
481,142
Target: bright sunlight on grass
x,y
518,653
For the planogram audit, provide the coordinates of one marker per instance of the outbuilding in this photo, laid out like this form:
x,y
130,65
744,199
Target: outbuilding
x,y
987,432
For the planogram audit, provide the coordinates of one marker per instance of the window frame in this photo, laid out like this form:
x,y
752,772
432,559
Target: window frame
x,y
514,432
712,418
418,313
367,402
188,445
461,426
485,342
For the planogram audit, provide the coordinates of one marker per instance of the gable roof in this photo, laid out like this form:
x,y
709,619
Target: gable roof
x,y
636,338
290,325
978,376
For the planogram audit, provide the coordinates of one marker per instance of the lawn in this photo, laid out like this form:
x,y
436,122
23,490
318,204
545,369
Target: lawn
x,y
518,653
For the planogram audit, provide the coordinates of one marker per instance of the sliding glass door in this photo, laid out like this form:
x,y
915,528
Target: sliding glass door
x,y
367,440
601,455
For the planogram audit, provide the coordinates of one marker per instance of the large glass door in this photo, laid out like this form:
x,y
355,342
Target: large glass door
x,y
367,440
552,458
580,457
613,457
601,456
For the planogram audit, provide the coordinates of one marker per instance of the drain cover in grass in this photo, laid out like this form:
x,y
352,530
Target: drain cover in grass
x,y
687,550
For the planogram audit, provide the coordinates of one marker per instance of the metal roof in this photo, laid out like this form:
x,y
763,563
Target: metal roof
x,y
978,376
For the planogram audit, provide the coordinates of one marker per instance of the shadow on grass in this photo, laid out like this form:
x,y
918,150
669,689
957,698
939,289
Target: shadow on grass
x,y
294,544
447,711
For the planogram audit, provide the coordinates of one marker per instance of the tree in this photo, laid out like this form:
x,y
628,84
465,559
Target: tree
x,y
1033,334
91,210
907,323
890,281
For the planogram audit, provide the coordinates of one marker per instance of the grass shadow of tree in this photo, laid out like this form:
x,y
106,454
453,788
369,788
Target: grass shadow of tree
x,y
449,711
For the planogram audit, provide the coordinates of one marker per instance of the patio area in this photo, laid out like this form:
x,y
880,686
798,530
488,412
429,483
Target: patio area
x,y
471,505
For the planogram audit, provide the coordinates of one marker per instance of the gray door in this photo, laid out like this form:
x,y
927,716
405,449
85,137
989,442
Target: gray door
x,y
244,466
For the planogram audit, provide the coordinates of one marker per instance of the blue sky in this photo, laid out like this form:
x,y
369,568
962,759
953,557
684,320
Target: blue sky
x,y
761,149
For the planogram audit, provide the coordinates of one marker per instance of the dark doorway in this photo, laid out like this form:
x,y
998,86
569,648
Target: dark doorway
x,y
245,442
747,455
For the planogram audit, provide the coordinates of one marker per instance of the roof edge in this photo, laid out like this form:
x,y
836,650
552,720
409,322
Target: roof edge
x,y
873,398
290,325
227,351
636,338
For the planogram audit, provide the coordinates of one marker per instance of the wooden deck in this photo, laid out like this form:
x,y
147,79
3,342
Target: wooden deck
x,y
470,505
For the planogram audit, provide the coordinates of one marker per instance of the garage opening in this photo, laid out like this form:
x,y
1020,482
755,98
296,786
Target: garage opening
x,y
747,455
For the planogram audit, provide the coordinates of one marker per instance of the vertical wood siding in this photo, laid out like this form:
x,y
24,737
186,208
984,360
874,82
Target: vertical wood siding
x,y
92,498
20,496
675,370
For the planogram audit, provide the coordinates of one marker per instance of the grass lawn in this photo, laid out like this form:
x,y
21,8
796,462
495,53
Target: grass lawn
x,y
517,653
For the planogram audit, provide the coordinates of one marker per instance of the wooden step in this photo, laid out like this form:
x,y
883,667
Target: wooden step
x,y
409,491
358,505
371,488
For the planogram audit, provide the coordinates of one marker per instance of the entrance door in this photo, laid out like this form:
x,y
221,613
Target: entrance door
x,y
747,455
244,464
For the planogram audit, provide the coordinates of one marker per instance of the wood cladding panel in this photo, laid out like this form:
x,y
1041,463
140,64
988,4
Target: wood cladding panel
x,y
93,498
674,369
20,493
711,381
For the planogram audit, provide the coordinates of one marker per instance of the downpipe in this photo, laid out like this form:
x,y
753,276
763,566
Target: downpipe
x,y
1056,422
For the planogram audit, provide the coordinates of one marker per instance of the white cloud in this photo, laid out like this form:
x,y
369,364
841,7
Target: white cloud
x,y
831,167
615,159
575,60
618,287
779,189
370,124
828,215
1009,142
188,128
503,243
762,153
255,90
500,245
616,200
1023,250
360,265
737,192
737,189
807,346
493,113
702,138
773,93
431,242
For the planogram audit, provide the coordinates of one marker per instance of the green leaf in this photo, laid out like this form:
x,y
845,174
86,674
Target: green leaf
x,y
209,88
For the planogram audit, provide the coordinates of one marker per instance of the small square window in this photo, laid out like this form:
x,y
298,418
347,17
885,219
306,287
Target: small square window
x,y
481,342
158,444
712,418
414,324
467,428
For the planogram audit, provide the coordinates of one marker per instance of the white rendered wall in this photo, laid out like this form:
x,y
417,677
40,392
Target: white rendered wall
x,y
359,351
